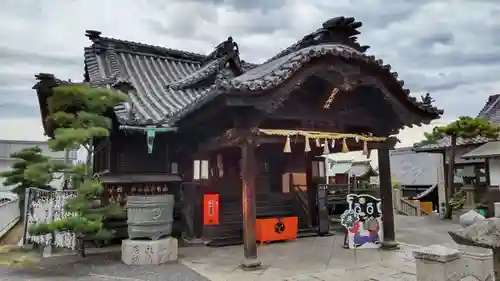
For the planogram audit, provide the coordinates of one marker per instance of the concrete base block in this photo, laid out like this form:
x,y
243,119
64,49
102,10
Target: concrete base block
x,y
139,252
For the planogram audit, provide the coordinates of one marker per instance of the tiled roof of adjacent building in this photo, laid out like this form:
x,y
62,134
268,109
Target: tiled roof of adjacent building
x,y
166,84
490,112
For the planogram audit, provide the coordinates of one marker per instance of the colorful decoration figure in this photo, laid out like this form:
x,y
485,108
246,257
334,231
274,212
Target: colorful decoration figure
x,y
363,221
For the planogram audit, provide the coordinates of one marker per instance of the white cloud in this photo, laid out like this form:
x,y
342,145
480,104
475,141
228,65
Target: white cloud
x,y
450,49
408,136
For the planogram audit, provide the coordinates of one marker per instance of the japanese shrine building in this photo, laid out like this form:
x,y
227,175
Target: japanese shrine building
x,y
198,125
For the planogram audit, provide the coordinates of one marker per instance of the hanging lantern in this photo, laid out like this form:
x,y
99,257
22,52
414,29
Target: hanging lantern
x,y
344,146
333,143
326,150
317,143
307,146
287,148
356,138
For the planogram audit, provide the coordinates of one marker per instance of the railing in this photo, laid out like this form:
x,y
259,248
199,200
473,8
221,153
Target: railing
x,y
9,214
405,207
408,208
302,199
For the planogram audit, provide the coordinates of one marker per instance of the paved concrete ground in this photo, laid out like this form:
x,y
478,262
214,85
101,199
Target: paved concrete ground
x,y
323,258
318,258
424,231
102,267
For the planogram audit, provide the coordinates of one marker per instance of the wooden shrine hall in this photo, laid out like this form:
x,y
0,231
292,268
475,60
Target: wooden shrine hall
x,y
238,143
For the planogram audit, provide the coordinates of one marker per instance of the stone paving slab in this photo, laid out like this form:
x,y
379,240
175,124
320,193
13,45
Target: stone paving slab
x,y
307,259
315,258
102,267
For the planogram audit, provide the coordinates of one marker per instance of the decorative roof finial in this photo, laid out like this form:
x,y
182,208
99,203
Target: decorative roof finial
x,y
339,30
427,99
226,48
93,35
45,76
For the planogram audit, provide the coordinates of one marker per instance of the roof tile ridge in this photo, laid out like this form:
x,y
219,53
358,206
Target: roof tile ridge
x,y
100,42
196,76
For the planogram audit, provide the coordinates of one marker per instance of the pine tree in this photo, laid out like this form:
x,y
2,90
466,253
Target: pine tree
x,y
464,127
30,169
80,114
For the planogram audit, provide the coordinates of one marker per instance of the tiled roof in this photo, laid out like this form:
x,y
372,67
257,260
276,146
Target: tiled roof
x,y
490,112
165,84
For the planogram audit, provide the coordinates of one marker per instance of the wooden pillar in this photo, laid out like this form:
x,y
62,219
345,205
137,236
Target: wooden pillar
x,y
249,201
384,164
312,190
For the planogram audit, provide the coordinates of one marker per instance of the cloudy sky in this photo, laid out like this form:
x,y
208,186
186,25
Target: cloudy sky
x,y
449,48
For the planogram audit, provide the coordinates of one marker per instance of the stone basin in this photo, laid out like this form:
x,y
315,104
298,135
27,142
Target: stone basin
x,y
483,233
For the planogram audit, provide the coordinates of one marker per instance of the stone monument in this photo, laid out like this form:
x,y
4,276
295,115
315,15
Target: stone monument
x,y
149,220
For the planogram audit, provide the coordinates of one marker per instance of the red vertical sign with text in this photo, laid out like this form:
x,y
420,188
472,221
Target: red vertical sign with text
x,y
210,209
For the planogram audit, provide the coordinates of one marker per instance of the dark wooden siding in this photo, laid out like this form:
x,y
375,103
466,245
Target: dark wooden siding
x,y
130,154
102,156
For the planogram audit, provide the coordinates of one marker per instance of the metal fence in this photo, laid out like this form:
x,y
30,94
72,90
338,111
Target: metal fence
x,y
9,213
44,206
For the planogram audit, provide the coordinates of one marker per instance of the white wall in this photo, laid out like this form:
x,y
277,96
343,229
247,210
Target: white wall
x,y
494,172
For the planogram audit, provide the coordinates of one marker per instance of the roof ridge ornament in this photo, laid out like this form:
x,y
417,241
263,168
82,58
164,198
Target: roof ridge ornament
x,y
339,30
93,35
427,100
227,48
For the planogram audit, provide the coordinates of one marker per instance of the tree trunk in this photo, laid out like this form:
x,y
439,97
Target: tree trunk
x,y
89,163
451,176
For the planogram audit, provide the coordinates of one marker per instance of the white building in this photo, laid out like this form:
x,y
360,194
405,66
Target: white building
x,y
7,147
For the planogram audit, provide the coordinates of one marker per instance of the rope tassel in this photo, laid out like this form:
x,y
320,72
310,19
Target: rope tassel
x,y
307,146
365,148
344,146
287,148
326,150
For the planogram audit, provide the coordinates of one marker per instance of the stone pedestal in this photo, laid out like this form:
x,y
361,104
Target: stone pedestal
x,y
140,252
437,263
476,262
